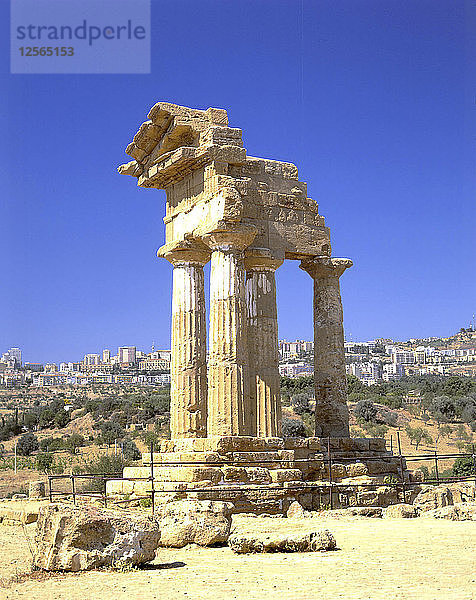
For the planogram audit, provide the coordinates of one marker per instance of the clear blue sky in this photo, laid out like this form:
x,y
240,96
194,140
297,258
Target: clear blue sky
x,y
372,99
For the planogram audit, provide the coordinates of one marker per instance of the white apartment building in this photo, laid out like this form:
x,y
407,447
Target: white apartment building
x,y
91,359
127,354
403,357
392,371
295,369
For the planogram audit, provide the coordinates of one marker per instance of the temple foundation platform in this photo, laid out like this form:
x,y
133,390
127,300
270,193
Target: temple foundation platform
x,y
265,475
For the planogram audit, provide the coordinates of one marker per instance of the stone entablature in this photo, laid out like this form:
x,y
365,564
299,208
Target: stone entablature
x,y
208,177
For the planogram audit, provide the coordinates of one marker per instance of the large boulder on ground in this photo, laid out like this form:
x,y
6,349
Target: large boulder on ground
x,y
400,511
81,538
462,511
447,494
206,523
309,542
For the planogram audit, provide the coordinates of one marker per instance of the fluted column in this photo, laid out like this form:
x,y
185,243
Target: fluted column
x,y
188,362
263,342
228,373
332,414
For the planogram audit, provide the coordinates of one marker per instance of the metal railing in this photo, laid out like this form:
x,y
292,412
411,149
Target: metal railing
x,y
328,489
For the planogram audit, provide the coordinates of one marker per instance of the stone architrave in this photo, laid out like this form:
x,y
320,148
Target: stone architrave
x,y
188,364
332,414
263,342
228,368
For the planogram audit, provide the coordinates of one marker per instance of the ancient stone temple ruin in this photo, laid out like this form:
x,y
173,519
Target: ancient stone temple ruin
x,y
245,216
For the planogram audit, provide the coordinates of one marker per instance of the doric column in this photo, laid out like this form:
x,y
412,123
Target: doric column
x,y
228,374
332,414
188,362
263,342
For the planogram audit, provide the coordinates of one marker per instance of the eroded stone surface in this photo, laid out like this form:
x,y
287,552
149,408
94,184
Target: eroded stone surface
x,y
75,539
432,497
204,523
461,511
256,543
400,511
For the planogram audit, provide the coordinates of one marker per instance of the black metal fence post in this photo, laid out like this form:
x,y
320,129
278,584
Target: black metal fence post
x,y
50,492
402,470
329,461
473,457
436,469
73,489
152,491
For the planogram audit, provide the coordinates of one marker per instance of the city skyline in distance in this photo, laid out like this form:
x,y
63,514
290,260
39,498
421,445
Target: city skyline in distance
x,y
28,356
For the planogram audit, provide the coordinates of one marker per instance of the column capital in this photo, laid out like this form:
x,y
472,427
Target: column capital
x,y
184,251
229,236
322,267
261,259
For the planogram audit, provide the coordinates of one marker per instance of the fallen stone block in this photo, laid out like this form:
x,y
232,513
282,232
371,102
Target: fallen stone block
x,y
206,523
255,543
461,511
432,497
11,516
83,538
400,511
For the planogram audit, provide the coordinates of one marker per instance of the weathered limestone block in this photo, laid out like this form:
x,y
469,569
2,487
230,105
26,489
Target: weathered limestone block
x,y
382,496
234,474
314,443
238,444
204,523
21,516
280,475
257,543
73,539
332,415
258,475
461,511
376,467
356,469
400,511
256,458
36,489
293,443
188,473
356,444
432,497
274,443
377,444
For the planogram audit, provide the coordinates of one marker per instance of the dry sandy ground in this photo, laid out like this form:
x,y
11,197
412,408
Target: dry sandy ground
x,y
377,559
